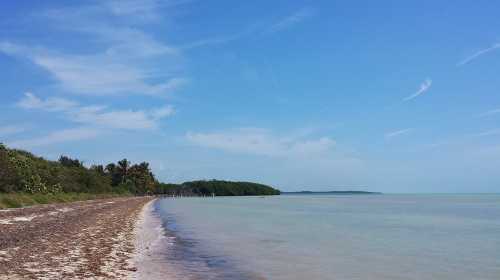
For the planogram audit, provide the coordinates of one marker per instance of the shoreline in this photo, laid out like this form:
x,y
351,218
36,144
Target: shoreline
x,y
150,243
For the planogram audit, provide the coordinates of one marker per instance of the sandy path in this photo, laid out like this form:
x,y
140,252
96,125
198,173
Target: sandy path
x,y
81,240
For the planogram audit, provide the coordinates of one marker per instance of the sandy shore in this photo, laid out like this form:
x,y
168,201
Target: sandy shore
x,y
150,246
99,239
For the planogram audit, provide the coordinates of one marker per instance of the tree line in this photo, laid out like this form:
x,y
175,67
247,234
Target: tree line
x,y
21,171
217,188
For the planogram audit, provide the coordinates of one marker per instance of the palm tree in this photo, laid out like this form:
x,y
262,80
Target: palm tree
x,y
123,167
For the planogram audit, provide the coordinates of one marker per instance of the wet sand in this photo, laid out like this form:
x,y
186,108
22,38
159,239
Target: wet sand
x,y
81,240
151,244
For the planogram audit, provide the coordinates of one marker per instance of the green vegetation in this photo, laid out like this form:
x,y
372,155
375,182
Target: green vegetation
x,y
21,171
216,187
26,179
11,200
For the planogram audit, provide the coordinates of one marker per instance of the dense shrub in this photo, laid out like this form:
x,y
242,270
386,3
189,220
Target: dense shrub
x,y
9,180
21,171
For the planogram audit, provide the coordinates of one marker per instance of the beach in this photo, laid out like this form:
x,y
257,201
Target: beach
x,y
97,239
150,245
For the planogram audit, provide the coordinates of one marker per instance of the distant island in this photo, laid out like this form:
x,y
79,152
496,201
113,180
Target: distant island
x,y
215,188
331,192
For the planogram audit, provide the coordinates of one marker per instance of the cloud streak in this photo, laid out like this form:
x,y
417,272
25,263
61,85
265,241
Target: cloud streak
x,y
489,113
424,87
478,54
397,133
291,20
98,74
491,132
11,130
53,104
65,135
261,142
142,10
127,61
210,42
97,115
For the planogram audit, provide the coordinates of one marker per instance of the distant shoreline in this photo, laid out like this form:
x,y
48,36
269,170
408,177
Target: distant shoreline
x,y
329,192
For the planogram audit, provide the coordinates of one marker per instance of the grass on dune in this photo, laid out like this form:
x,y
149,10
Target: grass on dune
x,y
15,200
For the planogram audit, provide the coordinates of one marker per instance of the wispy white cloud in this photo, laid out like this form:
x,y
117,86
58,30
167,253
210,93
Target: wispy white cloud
x,y
148,10
53,104
492,151
144,10
73,134
210,41
489,113
478,54
118,119
280,25
261,142
127,61
99,74
491,132
224,39
437,144
424,87
396,133
99,116
11,130
163,112
291,20
260,28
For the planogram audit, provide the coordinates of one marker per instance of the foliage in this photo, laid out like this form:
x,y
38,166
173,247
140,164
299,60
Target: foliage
x,y
218,188
23,172
69,162
8,177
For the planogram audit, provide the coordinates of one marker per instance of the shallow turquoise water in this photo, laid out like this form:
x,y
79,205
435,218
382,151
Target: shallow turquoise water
x,y
335,237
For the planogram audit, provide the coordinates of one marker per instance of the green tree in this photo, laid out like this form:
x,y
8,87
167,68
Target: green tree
x,y
122,169
9,179
69,162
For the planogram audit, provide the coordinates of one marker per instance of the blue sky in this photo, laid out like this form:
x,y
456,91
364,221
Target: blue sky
x,y
393,96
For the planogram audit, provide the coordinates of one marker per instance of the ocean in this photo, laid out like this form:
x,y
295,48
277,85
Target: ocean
x,y
434,236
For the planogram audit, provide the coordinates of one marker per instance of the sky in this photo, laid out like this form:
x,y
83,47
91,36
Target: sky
x,y
391,96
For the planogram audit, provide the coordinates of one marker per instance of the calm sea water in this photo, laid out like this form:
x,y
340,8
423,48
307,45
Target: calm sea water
x,y
334,237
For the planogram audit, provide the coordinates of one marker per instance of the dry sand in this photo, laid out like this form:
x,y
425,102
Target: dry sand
x,y
99,239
